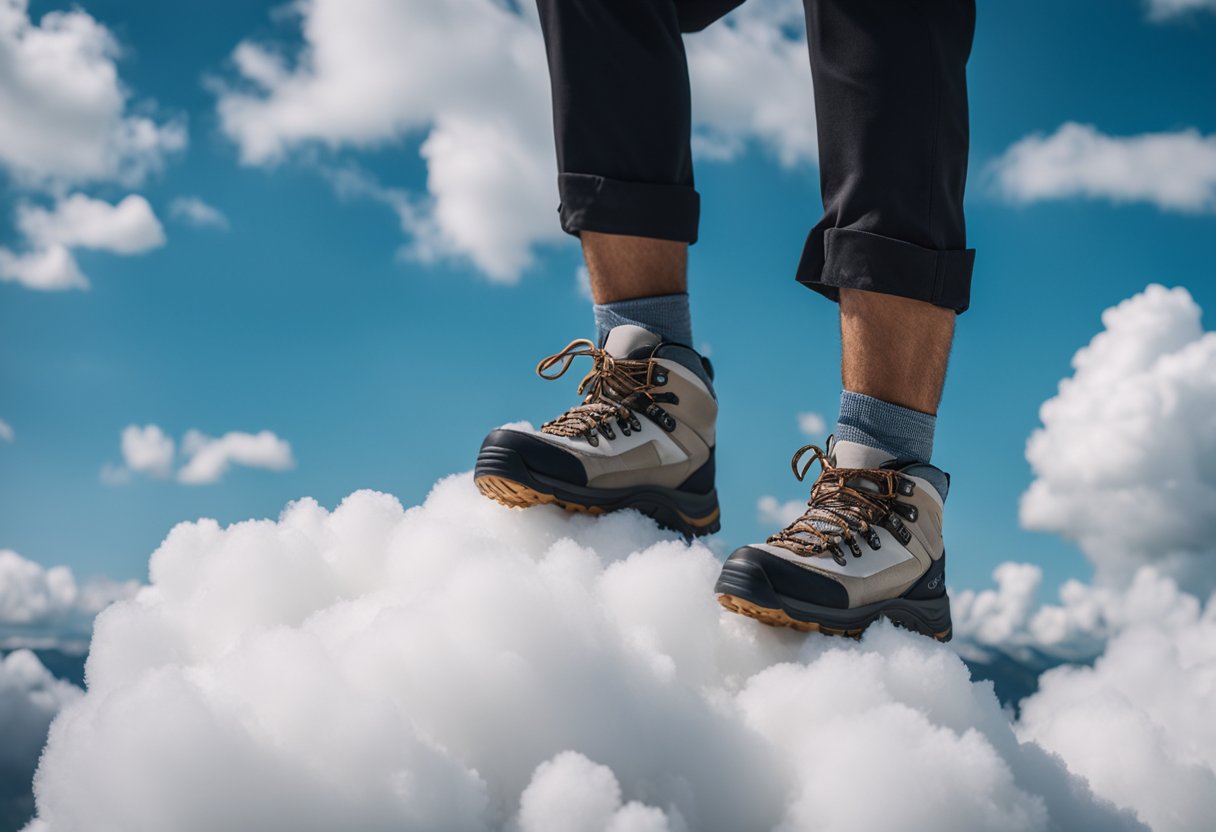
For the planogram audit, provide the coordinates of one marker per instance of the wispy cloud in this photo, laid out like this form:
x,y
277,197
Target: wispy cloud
x,y
1163,10
150,451
194,211
1173,171
6,431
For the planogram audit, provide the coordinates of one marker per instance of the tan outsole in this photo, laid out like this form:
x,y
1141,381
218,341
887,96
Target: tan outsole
x,y
514,494
779,618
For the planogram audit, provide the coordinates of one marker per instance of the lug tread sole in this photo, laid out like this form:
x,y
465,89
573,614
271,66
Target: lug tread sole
x,y
779,618
514,494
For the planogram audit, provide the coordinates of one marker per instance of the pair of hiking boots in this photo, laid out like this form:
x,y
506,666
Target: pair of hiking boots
x,y
868,545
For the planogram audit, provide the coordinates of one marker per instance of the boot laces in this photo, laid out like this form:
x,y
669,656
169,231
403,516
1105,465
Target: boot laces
x,y
613,388
845,503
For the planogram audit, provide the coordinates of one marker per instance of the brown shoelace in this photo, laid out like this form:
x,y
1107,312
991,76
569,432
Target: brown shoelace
x,y
611,386
841,507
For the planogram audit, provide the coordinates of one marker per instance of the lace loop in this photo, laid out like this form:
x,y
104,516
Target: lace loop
x,y
610,388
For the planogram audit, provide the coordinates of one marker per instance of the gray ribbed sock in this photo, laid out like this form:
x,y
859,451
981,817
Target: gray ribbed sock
x,y
903,433
667,316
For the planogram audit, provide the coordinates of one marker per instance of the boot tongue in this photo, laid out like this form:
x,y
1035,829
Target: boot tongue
x,y
847,454
623,340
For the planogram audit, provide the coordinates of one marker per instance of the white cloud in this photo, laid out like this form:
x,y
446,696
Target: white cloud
x,y
469,78
6,431
751,84
31,594
194,211
1161,10
1149,699
572,793
30,697
378,668
582,282
1079,626
1174,171
773,512
65,117
1125,463
209,458
149,450
77,221
812,425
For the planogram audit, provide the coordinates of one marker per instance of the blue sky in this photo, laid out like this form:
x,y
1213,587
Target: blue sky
x,y
385,373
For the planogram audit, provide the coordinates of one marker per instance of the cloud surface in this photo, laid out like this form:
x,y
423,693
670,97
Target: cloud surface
x,y
463,666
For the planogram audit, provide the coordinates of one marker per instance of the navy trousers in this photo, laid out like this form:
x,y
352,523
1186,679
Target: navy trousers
x,y
890,91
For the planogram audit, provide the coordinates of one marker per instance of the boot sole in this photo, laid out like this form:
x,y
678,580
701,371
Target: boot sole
x,y
502,476
744,589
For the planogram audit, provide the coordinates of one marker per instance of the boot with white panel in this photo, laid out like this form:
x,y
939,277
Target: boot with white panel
x,y
642,437
869,545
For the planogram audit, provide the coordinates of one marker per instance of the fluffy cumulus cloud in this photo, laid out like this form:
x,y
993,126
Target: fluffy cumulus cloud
x,y
463,666
194,211
65,117
31,594
1149,697
468,78
1174,171
76,222
30,697
1125,462
1082,621
149,450
1162,10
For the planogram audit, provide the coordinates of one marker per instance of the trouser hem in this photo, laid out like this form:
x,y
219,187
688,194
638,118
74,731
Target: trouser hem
x,y
844,258
640,209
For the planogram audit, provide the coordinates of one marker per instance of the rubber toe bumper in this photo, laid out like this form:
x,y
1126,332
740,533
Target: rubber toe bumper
x,y
507,471
752,581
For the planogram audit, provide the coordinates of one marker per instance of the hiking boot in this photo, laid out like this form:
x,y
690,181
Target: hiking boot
x,y
642,438
869,544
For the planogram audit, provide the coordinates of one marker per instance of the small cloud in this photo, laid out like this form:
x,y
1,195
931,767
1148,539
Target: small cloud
x,y
150,451
6,431
193,211
210,458
1160,11
772,512
812,425
1173,171
147,450
582,282
77,221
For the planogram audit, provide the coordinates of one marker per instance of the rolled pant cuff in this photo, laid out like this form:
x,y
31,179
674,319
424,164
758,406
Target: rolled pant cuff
x,y
844,258
640,209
